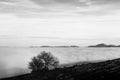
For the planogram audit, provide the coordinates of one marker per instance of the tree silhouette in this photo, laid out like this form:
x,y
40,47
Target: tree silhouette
x,y
43,61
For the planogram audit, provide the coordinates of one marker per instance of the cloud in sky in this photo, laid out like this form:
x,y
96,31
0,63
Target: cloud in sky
x,y
58,7
61,2
82,6
18,7
105,1
76,2
58,18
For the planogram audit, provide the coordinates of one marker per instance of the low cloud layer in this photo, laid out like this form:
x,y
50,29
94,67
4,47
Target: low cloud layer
x,y
14,61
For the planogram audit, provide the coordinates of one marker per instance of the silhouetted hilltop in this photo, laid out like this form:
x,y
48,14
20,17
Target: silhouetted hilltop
x,y
104,45
91,71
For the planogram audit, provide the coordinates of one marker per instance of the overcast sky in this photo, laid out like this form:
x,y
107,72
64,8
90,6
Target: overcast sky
x,y
59,22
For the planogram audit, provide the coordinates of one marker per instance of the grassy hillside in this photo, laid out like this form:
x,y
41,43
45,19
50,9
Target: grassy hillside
x,y
90,71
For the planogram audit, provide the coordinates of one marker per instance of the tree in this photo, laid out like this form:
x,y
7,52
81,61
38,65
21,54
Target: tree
x,y
43,61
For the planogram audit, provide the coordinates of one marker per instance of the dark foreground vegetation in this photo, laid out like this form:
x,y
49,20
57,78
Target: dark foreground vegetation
x,y
107,70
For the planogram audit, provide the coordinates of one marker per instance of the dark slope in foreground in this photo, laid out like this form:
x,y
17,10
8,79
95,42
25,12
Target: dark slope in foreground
x,y
91,71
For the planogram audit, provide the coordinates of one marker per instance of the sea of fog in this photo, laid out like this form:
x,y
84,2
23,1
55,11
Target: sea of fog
x,y
14,61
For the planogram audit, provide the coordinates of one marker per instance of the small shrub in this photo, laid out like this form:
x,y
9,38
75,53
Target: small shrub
x,y
43,61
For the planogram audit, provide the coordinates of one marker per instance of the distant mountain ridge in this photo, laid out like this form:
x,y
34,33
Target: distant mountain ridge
x,y
107,70
45,46
104,45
